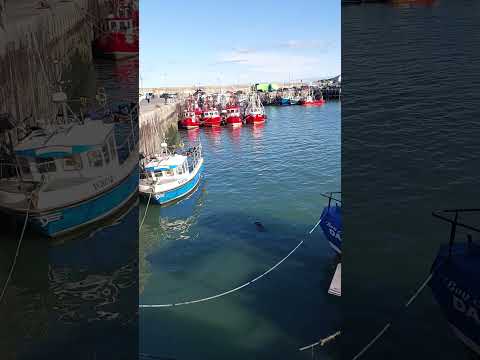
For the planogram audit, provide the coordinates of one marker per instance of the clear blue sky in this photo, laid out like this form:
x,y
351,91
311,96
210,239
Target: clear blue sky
x,y
209,42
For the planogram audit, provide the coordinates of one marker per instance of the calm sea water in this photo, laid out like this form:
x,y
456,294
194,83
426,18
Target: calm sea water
x,y
410,145
76,297
208,243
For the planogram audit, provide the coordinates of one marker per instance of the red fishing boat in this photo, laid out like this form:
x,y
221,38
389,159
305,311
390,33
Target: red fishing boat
x,y
311,101
211,118
190,120
233,117
254,112
119,33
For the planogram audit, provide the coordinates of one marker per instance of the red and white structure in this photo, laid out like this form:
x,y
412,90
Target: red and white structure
x,y
118,37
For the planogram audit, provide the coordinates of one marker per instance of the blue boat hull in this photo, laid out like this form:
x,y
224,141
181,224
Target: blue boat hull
x,y
88,211
456,288
331,224
180,192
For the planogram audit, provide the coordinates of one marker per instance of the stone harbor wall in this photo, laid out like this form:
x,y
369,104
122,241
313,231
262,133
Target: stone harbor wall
x,y
157,120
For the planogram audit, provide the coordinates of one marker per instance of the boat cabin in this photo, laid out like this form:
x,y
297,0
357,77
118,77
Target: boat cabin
x,y
73,151
167,169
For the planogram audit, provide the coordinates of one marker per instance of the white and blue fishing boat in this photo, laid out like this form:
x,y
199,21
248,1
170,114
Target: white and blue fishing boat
x,y
168,177
331,222
455,279
70,172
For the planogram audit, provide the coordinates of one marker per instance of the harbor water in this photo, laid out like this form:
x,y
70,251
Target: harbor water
x,y
260,195
409,146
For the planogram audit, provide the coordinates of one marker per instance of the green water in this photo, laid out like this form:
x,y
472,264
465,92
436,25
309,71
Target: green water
x,y
209,243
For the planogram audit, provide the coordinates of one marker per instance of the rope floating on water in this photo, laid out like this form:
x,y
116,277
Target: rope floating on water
x,y
236,288
321,342
389,324
145,213
12,268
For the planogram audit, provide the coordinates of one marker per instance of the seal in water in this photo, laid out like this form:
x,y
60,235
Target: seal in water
x,y
259,226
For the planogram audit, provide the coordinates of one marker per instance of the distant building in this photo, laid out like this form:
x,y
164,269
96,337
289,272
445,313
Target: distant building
x,y
266,87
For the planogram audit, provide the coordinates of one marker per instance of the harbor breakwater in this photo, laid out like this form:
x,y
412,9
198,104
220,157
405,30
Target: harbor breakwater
x,y
37,42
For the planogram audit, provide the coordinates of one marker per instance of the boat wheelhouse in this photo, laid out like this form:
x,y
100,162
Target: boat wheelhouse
x,y
167,177
69,177
455,273
331,221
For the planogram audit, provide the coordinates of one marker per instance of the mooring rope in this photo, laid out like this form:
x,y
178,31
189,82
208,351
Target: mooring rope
x,y
321,342
389,324
12,268
145,213
236,288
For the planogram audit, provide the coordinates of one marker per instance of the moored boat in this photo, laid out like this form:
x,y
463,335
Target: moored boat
x,y
70,174
331,222
190,120
119,36
254,112
454,284
211,118
167,177
233,117
311,101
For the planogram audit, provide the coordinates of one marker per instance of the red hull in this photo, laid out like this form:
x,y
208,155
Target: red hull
x,y
234,121
213,122
314,103
188,123
255,119
116,45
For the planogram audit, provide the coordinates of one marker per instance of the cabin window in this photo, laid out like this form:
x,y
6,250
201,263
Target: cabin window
x,y
46,165
95,158
24,166
71,163
106,153
113,25
169,172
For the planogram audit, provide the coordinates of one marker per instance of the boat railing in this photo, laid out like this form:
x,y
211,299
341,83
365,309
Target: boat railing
x,y
194,153
452,217
330,197
9,172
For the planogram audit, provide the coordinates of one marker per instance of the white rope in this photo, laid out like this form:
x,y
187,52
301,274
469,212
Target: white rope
x,y
387,326
12,268
145,213
236,288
